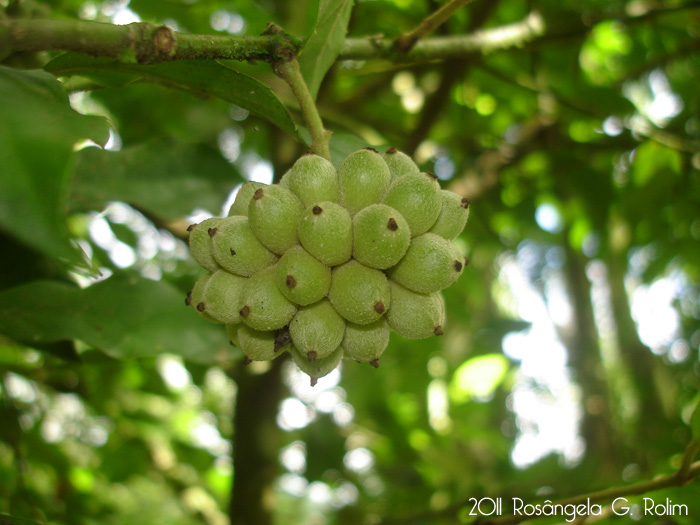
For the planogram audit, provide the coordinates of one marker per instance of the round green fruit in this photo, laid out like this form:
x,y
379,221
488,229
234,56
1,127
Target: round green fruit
x,y
258,345
417,197
264,306
415,315
317,330
237,250
358,293
453,215
399,163
366,343
380,236
431,264
242,200
273,213
201,243
325,231
318,367
313,179
221,298
363,178
301,278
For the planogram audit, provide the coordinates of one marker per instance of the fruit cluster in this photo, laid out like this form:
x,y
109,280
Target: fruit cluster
x,y
326,263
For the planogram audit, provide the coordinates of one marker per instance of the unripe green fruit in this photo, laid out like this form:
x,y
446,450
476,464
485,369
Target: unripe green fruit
x,y
273,213
264,306
317,330
399,163
313,179
318,367
430,265
417,197
380,236
364,178
415,315
358,293
258,345
242,200
365,343
453,215
195,298
236,249
221,298
301,278
325,231
201,243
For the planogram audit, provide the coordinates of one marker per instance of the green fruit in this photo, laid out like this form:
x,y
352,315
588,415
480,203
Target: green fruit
x,y
237,250
363,178
264,306
259,345
317,330
399,163
319,367
301,278
430,265
358,293
273,213
453,215
222,296
201,243
195,298
313,179
380,236
325,231
415,315
417,198
366,343
242,200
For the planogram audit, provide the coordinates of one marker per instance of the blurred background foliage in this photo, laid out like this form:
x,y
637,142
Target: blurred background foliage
x,y
570,360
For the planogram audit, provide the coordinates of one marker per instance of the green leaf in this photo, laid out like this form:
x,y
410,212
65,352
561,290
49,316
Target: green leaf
x,y
198,77
12,520
124,316
166,178
323,45
343,144
38,131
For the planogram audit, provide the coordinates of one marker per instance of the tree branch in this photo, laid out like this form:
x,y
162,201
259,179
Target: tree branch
x,y
427,26
289,71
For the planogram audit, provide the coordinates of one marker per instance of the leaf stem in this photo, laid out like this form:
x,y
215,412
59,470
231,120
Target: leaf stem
x,y
406,41
289,71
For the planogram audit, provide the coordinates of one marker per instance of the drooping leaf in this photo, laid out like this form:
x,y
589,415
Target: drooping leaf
x,y
323,45
38,130
198,77
168,179
123,316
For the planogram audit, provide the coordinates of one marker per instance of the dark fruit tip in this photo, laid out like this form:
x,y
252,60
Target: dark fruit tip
x,y
392,225
313,381
374,363
258,194
232,343
379,307
201,307
466,261
438,330
290,282
312,356
188,299
392,149
431,175
370,149
458,266
465,203
317,210
247,360
244,311
212,231
191,227
233,252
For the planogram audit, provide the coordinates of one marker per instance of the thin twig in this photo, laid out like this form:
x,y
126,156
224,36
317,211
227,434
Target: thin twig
x,y
406,41
289,71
